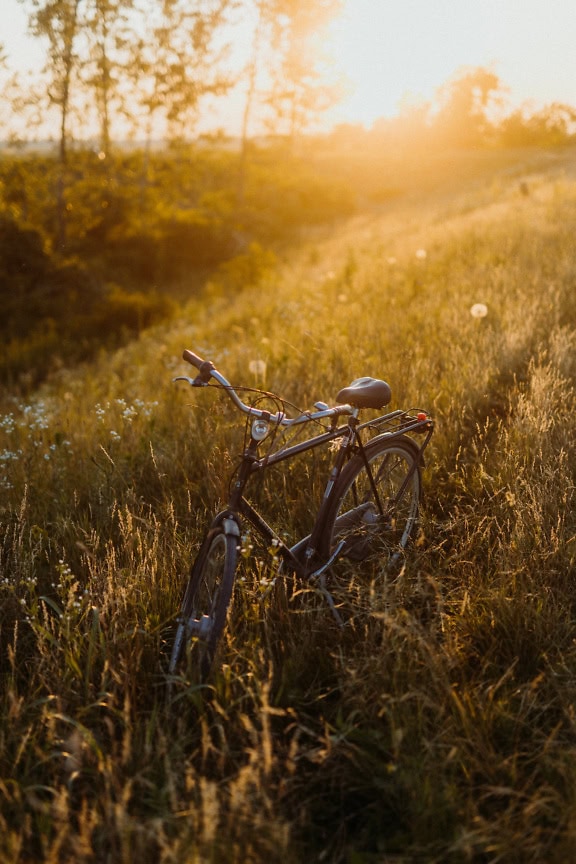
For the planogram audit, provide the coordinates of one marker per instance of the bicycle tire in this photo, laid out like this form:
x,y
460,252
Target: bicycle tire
x,y
354,518
204,608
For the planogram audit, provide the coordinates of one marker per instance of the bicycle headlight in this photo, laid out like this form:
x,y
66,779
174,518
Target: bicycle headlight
x,y
260,429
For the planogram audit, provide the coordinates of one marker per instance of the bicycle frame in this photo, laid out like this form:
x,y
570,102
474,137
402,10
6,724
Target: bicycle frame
x,y
251,464
209,591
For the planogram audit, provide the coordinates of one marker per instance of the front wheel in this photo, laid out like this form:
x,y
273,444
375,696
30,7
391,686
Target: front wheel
x,y
375,503
205,605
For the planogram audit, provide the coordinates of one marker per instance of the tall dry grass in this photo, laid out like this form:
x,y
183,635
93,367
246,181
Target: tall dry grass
x,y
439,725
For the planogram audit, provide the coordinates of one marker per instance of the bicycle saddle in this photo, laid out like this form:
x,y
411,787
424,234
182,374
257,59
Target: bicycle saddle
x,y
366,393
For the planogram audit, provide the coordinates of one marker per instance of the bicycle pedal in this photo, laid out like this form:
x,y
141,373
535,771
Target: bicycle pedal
x,y
322,570
201,627
331,605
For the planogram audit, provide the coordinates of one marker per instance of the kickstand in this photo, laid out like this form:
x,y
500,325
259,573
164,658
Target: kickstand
x,y
330,600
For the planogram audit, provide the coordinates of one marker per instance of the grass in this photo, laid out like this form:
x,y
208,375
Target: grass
x,y
439,726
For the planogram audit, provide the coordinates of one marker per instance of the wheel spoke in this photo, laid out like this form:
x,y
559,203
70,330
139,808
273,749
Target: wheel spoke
x,y
375,515
205,604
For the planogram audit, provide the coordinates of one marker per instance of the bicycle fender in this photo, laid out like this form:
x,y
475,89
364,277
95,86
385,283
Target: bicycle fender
x,y
231,528
409,442
229,523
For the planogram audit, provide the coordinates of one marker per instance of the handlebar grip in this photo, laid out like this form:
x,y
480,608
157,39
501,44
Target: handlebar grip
x,y
205,367
192,358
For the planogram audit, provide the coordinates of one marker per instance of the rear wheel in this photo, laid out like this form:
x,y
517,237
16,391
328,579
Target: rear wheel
x,y
205,605
375,512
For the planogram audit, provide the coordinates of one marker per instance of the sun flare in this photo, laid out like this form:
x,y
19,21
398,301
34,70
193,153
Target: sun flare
x,y
396,53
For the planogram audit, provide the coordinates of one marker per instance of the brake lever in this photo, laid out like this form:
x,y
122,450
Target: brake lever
x,y
194,382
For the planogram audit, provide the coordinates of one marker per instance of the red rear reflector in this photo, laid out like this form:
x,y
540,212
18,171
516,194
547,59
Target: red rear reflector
x,y
421,415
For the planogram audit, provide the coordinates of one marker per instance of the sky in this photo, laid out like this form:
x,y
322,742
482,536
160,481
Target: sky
x,y
398,49
392,51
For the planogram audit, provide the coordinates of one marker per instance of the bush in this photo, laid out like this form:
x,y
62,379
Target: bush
x,y
56,314
248,269
22,258
129,312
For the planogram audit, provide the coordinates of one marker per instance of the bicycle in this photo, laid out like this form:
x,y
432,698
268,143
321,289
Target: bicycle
x,y
368,511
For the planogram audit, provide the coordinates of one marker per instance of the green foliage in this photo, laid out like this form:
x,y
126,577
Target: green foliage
x,y
254,267
304,195
56,314
22,257
465,101
156,224
550,127
439,725
155,217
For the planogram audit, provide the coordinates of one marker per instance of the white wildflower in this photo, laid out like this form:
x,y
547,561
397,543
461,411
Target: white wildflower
x,y
479,310
257,367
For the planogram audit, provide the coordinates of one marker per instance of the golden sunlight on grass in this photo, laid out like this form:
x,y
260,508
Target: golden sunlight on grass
x,y
439,725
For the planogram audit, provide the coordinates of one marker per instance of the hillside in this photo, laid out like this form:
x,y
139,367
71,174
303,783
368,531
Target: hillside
x,y
439,725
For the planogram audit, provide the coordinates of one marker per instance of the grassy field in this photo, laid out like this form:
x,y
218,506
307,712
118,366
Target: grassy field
x,y
439,726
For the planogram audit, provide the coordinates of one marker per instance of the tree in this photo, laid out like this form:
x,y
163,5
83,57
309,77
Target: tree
x,y
106,31
554,124
3,64
180,62
299,90
58,21
173,64
465,103
3,91
252,69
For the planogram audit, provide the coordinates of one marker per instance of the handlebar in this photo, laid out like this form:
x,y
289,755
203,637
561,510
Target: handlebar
x,y
192,358
207,370
205,367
